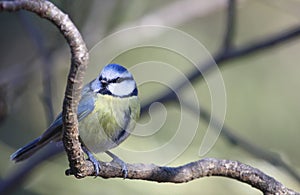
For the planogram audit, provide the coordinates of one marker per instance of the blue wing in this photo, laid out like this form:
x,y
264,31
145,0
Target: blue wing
x,y
54,132
85,107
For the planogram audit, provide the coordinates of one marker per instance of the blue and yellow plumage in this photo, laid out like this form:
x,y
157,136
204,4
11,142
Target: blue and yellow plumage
x,y
107,113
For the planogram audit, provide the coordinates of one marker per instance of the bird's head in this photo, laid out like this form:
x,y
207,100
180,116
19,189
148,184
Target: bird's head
x,y
115,80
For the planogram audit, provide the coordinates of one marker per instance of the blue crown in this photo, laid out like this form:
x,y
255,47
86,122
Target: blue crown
x,y
116,67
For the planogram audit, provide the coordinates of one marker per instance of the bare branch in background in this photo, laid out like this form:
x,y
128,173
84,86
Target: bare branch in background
x,y
235,139
220,59
230,26
46,65
79,62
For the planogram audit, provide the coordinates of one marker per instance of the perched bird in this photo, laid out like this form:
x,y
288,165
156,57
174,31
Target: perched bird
x,y
107,113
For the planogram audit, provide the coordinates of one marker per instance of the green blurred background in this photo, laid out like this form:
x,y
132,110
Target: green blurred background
x,y
262,90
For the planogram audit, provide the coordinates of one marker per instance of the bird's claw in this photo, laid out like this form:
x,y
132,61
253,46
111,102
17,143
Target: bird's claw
x,y
95,162
119,162
123,166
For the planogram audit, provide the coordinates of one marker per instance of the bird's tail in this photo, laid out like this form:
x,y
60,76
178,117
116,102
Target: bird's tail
x,y
53,133
28,150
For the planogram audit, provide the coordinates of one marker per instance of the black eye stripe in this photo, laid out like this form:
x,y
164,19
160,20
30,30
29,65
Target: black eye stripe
x,y
116,80
106,82
119,79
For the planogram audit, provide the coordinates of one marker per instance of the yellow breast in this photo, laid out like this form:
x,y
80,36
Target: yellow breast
x,y
110,123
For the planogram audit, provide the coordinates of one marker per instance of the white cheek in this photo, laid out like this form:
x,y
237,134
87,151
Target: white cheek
x,y
122,89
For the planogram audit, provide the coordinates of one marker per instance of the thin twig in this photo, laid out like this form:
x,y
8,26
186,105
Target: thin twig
x,y
230,26
235,139
258,45
221,58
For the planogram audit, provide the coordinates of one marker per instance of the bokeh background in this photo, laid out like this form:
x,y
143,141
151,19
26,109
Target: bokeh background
x,y
262,89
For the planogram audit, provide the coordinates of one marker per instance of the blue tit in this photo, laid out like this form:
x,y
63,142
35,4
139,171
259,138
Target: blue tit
x,y
107,113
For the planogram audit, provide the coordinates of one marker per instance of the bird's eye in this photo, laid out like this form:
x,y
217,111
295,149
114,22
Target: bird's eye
x,y
116,80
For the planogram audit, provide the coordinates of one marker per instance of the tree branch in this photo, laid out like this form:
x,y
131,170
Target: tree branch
x,y
80,168
203,168
79,62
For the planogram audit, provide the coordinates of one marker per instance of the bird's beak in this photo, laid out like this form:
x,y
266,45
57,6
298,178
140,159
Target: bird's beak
x,y
104,83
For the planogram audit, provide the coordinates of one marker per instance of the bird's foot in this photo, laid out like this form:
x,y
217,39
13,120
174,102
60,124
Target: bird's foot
x,y
94,160
120,162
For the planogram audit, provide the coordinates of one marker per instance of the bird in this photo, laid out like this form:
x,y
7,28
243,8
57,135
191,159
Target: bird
x,y
107,113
